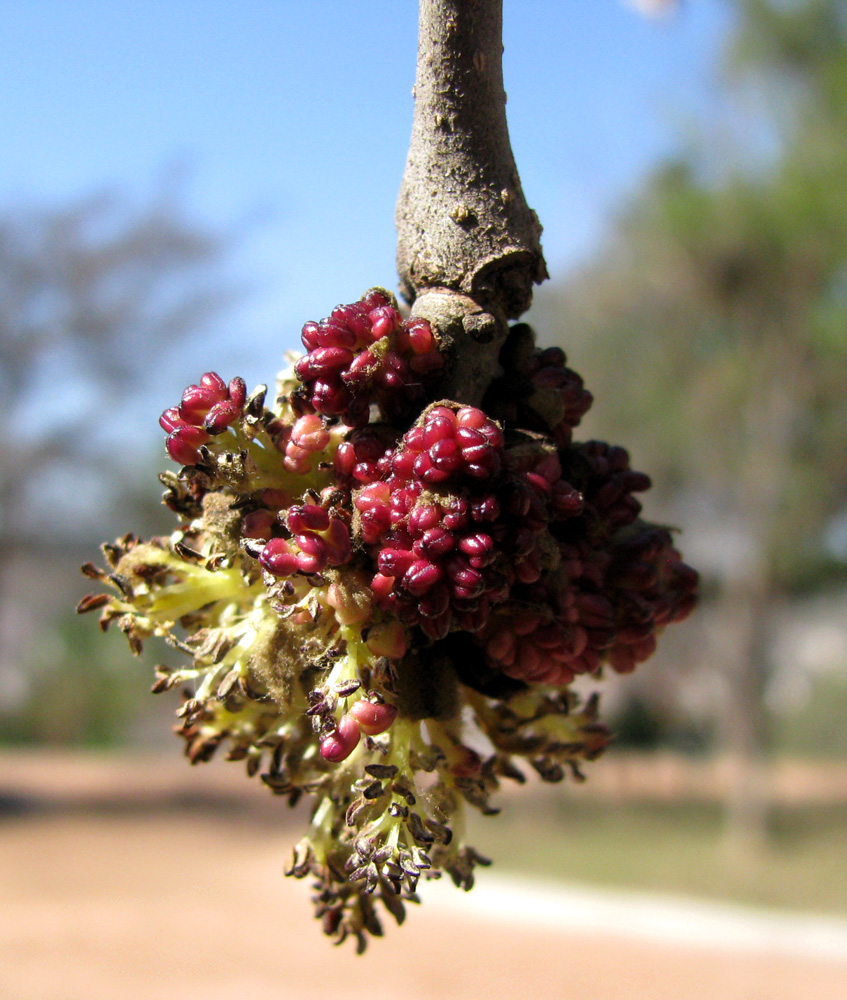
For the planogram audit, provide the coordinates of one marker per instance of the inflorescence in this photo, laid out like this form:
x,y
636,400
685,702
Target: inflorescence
x,y
384,597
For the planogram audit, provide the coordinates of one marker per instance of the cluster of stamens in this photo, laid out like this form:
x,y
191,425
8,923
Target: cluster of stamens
x,y
367,353
206,409
362,571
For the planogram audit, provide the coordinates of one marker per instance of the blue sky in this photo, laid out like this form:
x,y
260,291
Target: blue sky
x,y
297,116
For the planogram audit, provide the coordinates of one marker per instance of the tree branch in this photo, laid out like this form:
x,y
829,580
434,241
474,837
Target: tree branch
x,y
468,249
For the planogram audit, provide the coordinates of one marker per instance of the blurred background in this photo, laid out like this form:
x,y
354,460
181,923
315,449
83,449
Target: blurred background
x,y
184,184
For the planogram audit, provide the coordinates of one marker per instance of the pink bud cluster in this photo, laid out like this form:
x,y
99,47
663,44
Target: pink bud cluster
x,y
615,583
604,603
365,717
549,374
529,544
453,526
318,540
365,456
302,442
537,390
206,409
529,646
608,484
363,353
653,587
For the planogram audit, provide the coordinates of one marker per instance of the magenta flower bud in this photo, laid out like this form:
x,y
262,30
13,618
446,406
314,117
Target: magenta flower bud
x,y
438,427
339,548
311,563
537,482
480,454
329,398
312,545
308,517
420,336
420,576
373,718
296,460
566,501
442,411
362,368
278,559
182,444
471,416
395,562
435,543
403,462
220,416
170,419
424,516
493,433
343,741
425,470
485,509
373,496
435,602
445,455
211,380
391,382
374,523
197,400
392,362
304,369
329,360
456,514
382,587
384,320
414,439
479,546
237,390
345,458
310,335
344,327
462,575
469,437
484,469
374,299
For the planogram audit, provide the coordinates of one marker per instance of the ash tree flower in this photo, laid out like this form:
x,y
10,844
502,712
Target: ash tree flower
x,y
385,577
346,596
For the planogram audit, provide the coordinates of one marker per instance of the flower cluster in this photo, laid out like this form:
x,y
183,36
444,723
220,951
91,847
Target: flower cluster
x,y
367,353
364,576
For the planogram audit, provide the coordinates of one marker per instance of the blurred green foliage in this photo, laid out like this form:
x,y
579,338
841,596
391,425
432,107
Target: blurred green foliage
x,y
712,329
84,689
671,846
722,300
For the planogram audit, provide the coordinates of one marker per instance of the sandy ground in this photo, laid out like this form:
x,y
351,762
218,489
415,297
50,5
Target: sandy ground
x,y
125,882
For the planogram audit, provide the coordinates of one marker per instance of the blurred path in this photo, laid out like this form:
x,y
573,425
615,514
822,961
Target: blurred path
x,y
115,901
649,918
160,908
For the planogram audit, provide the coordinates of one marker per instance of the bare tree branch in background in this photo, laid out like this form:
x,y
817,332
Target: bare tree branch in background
x,y
92,297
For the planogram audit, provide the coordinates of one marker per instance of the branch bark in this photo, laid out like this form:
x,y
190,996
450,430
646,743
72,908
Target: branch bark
x,y
468,245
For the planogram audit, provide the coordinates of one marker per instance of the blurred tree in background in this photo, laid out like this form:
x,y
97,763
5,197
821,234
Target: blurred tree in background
x,y
715,322
92,297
